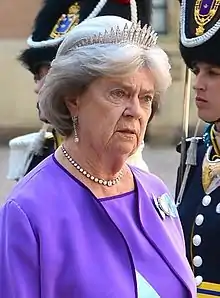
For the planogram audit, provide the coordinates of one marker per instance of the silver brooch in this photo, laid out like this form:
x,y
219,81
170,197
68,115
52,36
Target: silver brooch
x,y
165,206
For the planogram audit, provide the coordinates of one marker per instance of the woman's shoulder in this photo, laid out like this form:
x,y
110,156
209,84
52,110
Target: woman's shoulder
x,y
36,176
34,190
47,194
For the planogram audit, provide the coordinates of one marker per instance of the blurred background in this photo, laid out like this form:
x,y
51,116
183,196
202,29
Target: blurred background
x,y
18,113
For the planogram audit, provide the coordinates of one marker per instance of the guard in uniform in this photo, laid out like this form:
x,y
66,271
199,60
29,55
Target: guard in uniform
x,y
54,21
198,197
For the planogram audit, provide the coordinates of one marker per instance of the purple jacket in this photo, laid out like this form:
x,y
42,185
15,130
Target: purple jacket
x,y
57,240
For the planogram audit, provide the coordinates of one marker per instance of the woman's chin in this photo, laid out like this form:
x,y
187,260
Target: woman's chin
x,y
124,152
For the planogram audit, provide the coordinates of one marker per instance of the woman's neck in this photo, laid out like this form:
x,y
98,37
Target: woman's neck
x,y
125,184
104,165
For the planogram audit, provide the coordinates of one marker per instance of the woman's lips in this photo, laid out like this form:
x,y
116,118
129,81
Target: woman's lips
x,y
127,131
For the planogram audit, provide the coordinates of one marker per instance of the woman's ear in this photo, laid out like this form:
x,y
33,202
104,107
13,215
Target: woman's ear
x,y
72,104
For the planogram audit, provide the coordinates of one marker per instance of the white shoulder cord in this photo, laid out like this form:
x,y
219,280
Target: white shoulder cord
x,y
94,13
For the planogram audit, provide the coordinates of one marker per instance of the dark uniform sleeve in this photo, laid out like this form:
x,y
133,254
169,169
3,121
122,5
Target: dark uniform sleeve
x,y
48,149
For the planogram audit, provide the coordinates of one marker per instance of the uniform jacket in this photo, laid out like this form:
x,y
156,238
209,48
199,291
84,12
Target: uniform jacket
x,y
200,217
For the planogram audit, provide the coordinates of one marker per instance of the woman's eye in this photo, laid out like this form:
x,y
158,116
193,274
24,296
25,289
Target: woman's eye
x,y
119,93
148,98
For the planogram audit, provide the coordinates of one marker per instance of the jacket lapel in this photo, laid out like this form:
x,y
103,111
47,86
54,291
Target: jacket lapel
x,y
164,234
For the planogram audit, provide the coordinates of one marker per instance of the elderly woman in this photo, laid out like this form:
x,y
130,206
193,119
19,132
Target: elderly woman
x,y
54,17
83,223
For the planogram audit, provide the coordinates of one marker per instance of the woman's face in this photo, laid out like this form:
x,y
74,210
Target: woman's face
x,y
113,112
207,87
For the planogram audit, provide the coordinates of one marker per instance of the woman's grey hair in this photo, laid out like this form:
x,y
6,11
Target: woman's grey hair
x,y
74,69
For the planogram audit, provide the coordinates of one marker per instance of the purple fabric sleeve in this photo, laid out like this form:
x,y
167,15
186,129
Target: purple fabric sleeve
x,y
19,267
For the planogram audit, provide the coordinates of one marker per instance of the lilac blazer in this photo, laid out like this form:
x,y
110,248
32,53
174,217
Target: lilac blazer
x,y
57,240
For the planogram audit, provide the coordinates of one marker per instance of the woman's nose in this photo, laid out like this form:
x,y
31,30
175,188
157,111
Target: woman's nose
x,y
134,108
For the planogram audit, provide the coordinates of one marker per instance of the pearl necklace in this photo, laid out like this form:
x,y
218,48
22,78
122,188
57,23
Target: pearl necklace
x,y
88,175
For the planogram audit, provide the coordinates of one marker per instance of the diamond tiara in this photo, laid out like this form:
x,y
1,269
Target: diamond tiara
x,y
144,37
